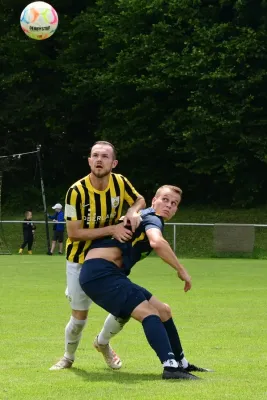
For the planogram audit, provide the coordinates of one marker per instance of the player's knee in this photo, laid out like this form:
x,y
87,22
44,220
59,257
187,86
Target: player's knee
x,y
122,321
144,310
165,312
75,327
80,314
168,311
151,310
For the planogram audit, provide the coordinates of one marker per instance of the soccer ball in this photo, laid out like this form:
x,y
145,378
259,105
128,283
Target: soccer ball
x,y
39,20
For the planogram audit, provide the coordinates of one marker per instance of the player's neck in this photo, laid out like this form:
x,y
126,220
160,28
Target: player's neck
x,y
99,183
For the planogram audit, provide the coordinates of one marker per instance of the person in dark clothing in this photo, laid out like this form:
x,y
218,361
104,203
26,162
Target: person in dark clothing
x,y
58,229
28,229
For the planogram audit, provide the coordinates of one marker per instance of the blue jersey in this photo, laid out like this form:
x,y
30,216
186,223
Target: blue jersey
x,y
59,216
138,247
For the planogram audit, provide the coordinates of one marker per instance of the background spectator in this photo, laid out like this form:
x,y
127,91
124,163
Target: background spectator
x,y
58,229
28,229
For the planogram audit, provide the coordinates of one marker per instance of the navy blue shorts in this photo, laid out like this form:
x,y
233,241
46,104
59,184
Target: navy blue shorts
x,y
58,236
109,287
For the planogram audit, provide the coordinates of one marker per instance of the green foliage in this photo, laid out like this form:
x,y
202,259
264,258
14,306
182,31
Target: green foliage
x,y
180,84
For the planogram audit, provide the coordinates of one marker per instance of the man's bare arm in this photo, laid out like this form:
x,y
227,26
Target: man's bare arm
x,y
77,233
165,252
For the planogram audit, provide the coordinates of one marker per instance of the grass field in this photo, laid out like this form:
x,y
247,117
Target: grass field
x,y
222,323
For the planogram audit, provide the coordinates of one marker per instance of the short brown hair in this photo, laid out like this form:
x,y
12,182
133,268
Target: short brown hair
x,y
175,189
103,142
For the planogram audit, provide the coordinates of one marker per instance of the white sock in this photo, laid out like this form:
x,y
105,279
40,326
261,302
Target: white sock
x,y
170,363
112,326
73,334
184,362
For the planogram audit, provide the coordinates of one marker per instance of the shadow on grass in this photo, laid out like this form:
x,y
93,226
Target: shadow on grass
x,y
114,376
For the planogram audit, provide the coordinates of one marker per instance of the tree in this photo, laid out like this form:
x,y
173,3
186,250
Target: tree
x,y
179,87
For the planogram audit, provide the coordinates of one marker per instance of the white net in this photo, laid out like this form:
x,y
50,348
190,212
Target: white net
x,y
22,191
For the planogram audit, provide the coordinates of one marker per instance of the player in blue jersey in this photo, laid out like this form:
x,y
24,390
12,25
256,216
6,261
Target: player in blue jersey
x,y
104,279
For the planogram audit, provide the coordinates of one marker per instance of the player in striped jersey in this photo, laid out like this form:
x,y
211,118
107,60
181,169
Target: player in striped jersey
x,y
93,206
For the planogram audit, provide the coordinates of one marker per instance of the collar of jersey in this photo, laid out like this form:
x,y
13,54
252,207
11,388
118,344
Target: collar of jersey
x,y
96,190
147,211
150,211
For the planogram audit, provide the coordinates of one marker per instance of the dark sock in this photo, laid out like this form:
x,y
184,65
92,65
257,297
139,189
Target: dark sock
x,y
174,339
157,337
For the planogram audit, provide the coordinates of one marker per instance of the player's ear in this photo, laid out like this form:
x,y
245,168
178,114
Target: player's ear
x,y
115,163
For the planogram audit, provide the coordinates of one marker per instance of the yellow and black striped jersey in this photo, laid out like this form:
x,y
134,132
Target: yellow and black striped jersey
x,y
96,209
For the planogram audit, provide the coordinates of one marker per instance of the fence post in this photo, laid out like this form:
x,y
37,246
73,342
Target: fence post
x,y
174,238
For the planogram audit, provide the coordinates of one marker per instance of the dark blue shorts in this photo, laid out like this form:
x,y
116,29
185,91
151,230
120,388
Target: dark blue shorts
x,y
58,236
109,287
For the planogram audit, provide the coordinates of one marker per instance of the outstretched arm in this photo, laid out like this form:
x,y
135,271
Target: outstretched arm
x,y
165,252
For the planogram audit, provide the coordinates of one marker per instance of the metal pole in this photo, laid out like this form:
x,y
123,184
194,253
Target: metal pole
x,y
2,237
174,238
43,196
